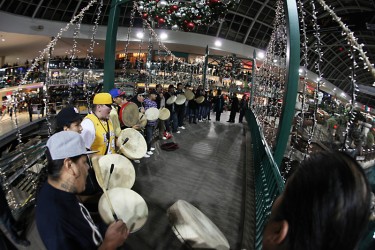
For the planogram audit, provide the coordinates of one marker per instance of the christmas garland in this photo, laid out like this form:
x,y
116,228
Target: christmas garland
x,y
184,15
229,66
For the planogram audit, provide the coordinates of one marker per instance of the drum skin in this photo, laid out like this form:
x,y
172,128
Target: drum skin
x,y
152,114
123,174
180,99
128,205
171,100
129,114
189,94
199,99
135,147
142,120
191,226
164,114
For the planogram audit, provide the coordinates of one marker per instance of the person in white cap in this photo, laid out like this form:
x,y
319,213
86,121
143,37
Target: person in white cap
x,y
98,133
62,221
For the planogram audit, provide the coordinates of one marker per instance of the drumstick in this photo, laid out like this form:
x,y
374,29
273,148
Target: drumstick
x,y
125,141
99,178
110,173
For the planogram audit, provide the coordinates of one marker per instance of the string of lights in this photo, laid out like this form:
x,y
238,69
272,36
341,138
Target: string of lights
x,y
53,42
351,38
352,112
319,52
272,78
131,24
305,63
46,52
90,53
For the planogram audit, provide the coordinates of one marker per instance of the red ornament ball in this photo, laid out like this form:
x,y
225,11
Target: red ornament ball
x,y
190,26
161,21
144,15
174,8
213,1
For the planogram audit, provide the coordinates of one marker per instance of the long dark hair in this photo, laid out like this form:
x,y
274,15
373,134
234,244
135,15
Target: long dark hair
x,y
326,203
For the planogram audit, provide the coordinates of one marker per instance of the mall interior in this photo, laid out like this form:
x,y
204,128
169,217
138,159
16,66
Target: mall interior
x,y
285,79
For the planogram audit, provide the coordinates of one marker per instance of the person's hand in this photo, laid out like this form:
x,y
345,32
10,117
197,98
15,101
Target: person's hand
x,y
115,235
142,110
137,127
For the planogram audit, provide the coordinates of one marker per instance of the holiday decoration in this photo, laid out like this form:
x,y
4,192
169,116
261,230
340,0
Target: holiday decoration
x,y
229,66
184,15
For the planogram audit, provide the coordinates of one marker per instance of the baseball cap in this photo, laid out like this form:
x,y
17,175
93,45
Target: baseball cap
x,y
102,98
116,93
66,144
66,116
153,91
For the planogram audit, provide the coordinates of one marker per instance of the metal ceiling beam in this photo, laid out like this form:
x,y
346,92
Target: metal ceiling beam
x,y
2,2
242,15
79,4
37,9
253,22
219,29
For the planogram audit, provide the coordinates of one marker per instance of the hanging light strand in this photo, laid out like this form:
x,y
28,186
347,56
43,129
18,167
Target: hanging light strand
x,y
46,94
305,62
90,55
72,75
54,41
350,36
148,62
319,53
131,24
352,113
90,50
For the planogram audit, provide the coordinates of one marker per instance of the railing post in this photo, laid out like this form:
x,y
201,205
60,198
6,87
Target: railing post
x,y
205,68
110,45
291,87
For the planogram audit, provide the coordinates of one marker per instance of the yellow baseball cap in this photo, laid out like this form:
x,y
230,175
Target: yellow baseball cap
x,y
102,98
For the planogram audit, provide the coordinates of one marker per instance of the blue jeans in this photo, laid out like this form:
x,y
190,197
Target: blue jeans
x,y
149,133
200,111
193,113
173,122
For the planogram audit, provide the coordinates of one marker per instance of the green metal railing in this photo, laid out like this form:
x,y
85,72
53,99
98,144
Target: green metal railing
x,y
268,181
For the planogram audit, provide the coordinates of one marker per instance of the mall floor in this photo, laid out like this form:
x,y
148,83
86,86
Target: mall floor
x,y
206,171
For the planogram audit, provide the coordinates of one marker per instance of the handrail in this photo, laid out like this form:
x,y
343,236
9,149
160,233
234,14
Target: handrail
x,y
268,181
